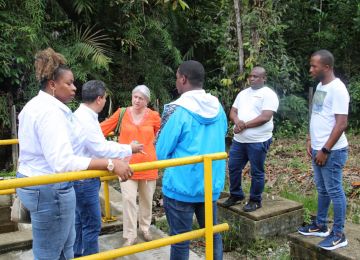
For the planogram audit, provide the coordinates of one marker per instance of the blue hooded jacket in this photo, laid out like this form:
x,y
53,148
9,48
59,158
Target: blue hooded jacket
x,y
195,124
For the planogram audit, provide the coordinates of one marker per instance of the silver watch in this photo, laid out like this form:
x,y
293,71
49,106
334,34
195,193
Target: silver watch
x,y
110,165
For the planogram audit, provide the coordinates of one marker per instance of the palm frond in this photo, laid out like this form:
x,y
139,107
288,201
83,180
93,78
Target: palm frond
x,y
83,6
2,3
93,44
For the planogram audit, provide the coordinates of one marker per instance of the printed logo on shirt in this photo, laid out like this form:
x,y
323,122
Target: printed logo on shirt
x,y
318,101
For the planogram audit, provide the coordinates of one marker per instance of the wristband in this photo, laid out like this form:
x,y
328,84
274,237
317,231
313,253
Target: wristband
x,y
325,150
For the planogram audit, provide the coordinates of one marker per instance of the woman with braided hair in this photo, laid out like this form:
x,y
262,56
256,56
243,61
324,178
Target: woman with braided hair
x,y
47,141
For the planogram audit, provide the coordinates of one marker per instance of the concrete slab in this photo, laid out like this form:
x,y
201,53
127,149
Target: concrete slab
x,y
113,241
5,200
22,239
111,237
15,241
278,216
271,206
305,247
5,214
5,211
8,227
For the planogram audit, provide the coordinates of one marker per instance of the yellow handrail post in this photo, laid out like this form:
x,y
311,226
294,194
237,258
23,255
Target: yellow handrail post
x,y
209,232
108,217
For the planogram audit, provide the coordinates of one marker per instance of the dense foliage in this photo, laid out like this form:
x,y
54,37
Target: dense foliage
x,y
126,43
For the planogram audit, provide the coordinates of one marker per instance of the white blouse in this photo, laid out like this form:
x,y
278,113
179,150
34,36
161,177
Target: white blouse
x,y
47,134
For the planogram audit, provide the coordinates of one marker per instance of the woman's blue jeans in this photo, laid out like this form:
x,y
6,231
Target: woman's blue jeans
x,y
239,155
88,217
52,210
328,180
180,218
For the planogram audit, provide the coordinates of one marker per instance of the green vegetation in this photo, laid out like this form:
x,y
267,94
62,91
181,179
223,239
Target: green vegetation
x,y
163,225
7,174
144,41
126,43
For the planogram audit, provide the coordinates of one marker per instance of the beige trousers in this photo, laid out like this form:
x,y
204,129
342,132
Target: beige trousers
x,y
129,190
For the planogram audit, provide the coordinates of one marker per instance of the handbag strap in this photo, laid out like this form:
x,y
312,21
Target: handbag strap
x,y
117,129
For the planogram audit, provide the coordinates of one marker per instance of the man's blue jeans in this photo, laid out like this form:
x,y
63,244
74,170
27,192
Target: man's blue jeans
x,y
52,210
180,218
328,180
88,217
240,154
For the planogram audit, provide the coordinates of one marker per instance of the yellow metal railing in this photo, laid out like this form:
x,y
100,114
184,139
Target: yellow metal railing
x,y
9,141
8,186
111,254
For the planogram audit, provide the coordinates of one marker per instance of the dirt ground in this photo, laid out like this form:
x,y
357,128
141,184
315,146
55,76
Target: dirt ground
x,y
287,165
287,162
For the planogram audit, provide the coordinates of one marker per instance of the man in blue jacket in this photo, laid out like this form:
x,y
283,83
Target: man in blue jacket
x,y
194,124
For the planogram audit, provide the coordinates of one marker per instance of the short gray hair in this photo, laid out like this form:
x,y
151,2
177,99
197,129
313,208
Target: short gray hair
x,y
143,90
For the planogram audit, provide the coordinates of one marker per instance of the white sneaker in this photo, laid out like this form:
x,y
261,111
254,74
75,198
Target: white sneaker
x,y
130,241
147,235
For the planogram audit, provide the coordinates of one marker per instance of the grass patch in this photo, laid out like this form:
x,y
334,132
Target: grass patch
x,y
7,174
230,240
309,202
276,248
163,225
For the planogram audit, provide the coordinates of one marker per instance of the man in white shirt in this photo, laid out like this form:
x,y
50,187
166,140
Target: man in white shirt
x,y
93,144
328,148
252,114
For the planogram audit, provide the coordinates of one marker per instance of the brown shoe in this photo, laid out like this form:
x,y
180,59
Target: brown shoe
x,y
130,241
147,235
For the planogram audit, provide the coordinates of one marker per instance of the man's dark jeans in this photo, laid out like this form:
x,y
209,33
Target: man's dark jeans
x,y
88,217
180,218
240,154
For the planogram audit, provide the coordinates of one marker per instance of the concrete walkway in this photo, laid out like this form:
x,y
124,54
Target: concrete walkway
x,y
113,241
111,238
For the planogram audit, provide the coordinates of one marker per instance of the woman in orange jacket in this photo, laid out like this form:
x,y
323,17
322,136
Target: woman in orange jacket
x,y
139,124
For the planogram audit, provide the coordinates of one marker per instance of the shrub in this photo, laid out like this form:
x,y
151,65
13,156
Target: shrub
x,y
292,116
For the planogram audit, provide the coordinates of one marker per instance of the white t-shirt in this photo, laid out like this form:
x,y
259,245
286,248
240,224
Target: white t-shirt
x,y
250,103
329,100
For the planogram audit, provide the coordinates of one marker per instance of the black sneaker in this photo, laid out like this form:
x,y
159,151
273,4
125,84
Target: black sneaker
x,y
231,201
252,206
314,230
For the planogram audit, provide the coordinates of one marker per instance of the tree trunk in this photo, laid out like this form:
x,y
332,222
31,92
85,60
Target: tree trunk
x,y
15,149
255,37
239,35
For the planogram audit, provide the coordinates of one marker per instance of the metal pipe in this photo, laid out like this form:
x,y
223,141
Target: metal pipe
x,y
108,217
107,200
153,244
7,192
208,208
9,141
71,176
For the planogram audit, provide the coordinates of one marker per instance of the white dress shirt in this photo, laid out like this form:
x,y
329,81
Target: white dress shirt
x,y
47,134
94,144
